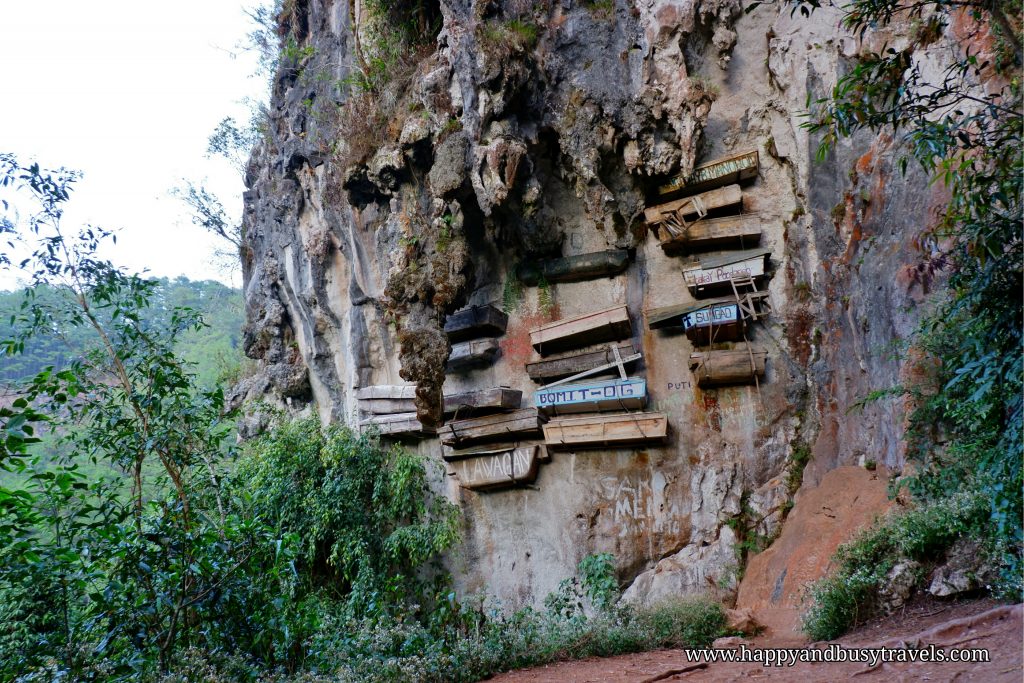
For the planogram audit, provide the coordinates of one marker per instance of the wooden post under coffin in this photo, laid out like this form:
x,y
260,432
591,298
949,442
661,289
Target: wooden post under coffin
x,y
606,430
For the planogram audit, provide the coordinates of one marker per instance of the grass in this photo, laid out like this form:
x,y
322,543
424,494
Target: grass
x,y
475,645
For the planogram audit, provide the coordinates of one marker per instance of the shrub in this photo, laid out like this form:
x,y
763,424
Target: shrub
x,y
850,595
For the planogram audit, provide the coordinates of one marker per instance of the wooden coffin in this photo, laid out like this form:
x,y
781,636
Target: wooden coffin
x,y
716,322
568,365
475,321
606,430
491,469
519,424
584,397
712,273
473,354
575,268
590,328
731,169
743,231
387,399
719,368
482,401
401,424
671,218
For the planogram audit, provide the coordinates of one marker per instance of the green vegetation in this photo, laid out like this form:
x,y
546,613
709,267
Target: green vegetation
x,y
850,595
212,350
965,431
498,37
145,548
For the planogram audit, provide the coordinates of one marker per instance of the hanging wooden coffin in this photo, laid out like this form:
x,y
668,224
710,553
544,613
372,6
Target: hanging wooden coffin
x,y
583,397
606,430
671,218
519,424
482,401
492,469
475,321
575,268
711,233
575,363
713,273
714,323
391,399
590,328
722,368
731,169
400,424
387,399
473,354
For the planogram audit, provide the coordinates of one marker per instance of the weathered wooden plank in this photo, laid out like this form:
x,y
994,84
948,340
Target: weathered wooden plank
x,y
724,258
606,430
402,424
467,403
386,391
671,215
565,366
475,321
717,322
704,277
575,268
474,353
728,231
491,469
387,406
731,169
482,401
523,423
590,328
582,397
719,368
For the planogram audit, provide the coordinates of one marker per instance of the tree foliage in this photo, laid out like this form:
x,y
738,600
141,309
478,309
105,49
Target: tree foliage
x,y
964,127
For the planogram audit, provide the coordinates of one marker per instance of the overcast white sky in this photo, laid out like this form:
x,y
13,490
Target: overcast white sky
x,y
128,92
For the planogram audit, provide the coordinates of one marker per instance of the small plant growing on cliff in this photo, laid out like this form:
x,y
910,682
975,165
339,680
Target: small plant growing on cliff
x,y
545,299
511,293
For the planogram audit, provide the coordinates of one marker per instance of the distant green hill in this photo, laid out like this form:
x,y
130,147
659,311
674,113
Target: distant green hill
x,y
214,351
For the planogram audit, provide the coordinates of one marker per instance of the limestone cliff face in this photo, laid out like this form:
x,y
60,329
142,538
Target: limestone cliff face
x,y
531,130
